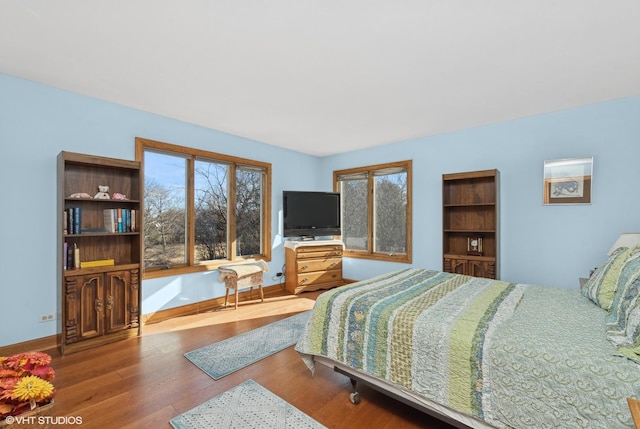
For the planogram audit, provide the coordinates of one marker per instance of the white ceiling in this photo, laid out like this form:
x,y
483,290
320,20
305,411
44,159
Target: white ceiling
x,y
325,77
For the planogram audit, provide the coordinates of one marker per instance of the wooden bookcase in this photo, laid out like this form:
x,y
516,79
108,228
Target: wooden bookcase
x,y
470,212
98,304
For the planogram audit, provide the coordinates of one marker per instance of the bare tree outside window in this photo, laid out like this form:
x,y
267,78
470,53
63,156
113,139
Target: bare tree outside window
x,y
376,211
211,210
249,194
202,208
355,222
390,213
164,211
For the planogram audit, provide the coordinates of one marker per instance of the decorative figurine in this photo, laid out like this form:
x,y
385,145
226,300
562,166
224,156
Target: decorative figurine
x,y
79,195
103,194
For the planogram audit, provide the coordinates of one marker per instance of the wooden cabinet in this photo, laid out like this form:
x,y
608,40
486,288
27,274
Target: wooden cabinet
x,y
99,300
100,305
477,267
470,223
313,265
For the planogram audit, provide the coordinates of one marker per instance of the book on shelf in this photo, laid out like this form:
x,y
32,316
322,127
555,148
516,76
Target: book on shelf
x,y
133,220
110,220
120,228
72,256
97,263
73,220
120,220
77,220
69,256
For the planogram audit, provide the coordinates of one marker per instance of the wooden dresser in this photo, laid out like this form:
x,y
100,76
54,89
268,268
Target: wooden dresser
x,y
313,265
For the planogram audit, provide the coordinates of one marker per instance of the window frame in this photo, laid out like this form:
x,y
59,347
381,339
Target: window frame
x,y
370,171
191,155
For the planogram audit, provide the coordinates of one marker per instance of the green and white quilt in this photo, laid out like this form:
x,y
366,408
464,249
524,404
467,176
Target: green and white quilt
x,y
513,355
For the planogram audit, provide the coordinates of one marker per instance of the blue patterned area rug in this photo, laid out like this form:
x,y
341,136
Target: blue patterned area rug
x,y
248,405
224,357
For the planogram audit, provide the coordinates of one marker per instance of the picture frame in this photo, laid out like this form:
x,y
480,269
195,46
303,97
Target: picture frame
x,y
568,181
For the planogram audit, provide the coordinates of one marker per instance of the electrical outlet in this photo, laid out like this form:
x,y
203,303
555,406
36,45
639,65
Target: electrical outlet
x,y
47,318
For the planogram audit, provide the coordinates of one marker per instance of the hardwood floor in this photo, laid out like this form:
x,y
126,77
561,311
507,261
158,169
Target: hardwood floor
x,y
146,381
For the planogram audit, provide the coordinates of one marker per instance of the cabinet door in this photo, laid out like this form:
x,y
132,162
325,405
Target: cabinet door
x,y
92,305
83,307
477,268
117,301
456,266
484,269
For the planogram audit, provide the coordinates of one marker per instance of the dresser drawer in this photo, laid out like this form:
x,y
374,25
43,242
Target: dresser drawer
x,y
318,277
308,265
318,252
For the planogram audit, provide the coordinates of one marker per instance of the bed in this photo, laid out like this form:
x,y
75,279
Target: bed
x,y
484,353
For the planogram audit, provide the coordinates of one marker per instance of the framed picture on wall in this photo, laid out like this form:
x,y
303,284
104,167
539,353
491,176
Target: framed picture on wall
x,y
568,181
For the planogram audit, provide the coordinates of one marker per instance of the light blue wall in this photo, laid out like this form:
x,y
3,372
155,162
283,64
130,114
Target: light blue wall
x,y
549,245
552,245
36,123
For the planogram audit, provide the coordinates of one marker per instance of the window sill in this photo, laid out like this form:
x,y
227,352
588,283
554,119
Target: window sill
x,y
154,273
377,256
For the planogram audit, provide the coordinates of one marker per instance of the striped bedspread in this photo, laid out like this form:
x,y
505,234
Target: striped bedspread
x,y
393,324
512,355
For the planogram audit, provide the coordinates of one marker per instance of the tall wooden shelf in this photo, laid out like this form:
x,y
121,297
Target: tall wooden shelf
x,y
470,211
100,304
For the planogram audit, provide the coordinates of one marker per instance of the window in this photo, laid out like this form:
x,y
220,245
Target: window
x,y
376,211
202,209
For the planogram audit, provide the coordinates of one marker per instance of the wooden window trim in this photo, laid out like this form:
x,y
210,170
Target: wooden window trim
x,y
370,253
190,267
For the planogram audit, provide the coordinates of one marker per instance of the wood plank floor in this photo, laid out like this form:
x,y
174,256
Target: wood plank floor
x,y
146,381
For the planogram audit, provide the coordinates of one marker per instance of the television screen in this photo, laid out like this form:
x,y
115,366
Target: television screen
x,y
308,213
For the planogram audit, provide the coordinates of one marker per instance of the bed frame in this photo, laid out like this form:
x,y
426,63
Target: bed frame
x,y
441,412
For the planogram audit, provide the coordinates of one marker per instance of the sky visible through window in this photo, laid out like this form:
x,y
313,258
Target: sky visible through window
x,y
168,171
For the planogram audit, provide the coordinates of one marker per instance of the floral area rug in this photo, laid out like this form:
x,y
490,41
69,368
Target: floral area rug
x,y
248,405
224,357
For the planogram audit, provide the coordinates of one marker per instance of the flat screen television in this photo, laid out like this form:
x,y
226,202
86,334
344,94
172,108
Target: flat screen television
x,y
311,214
